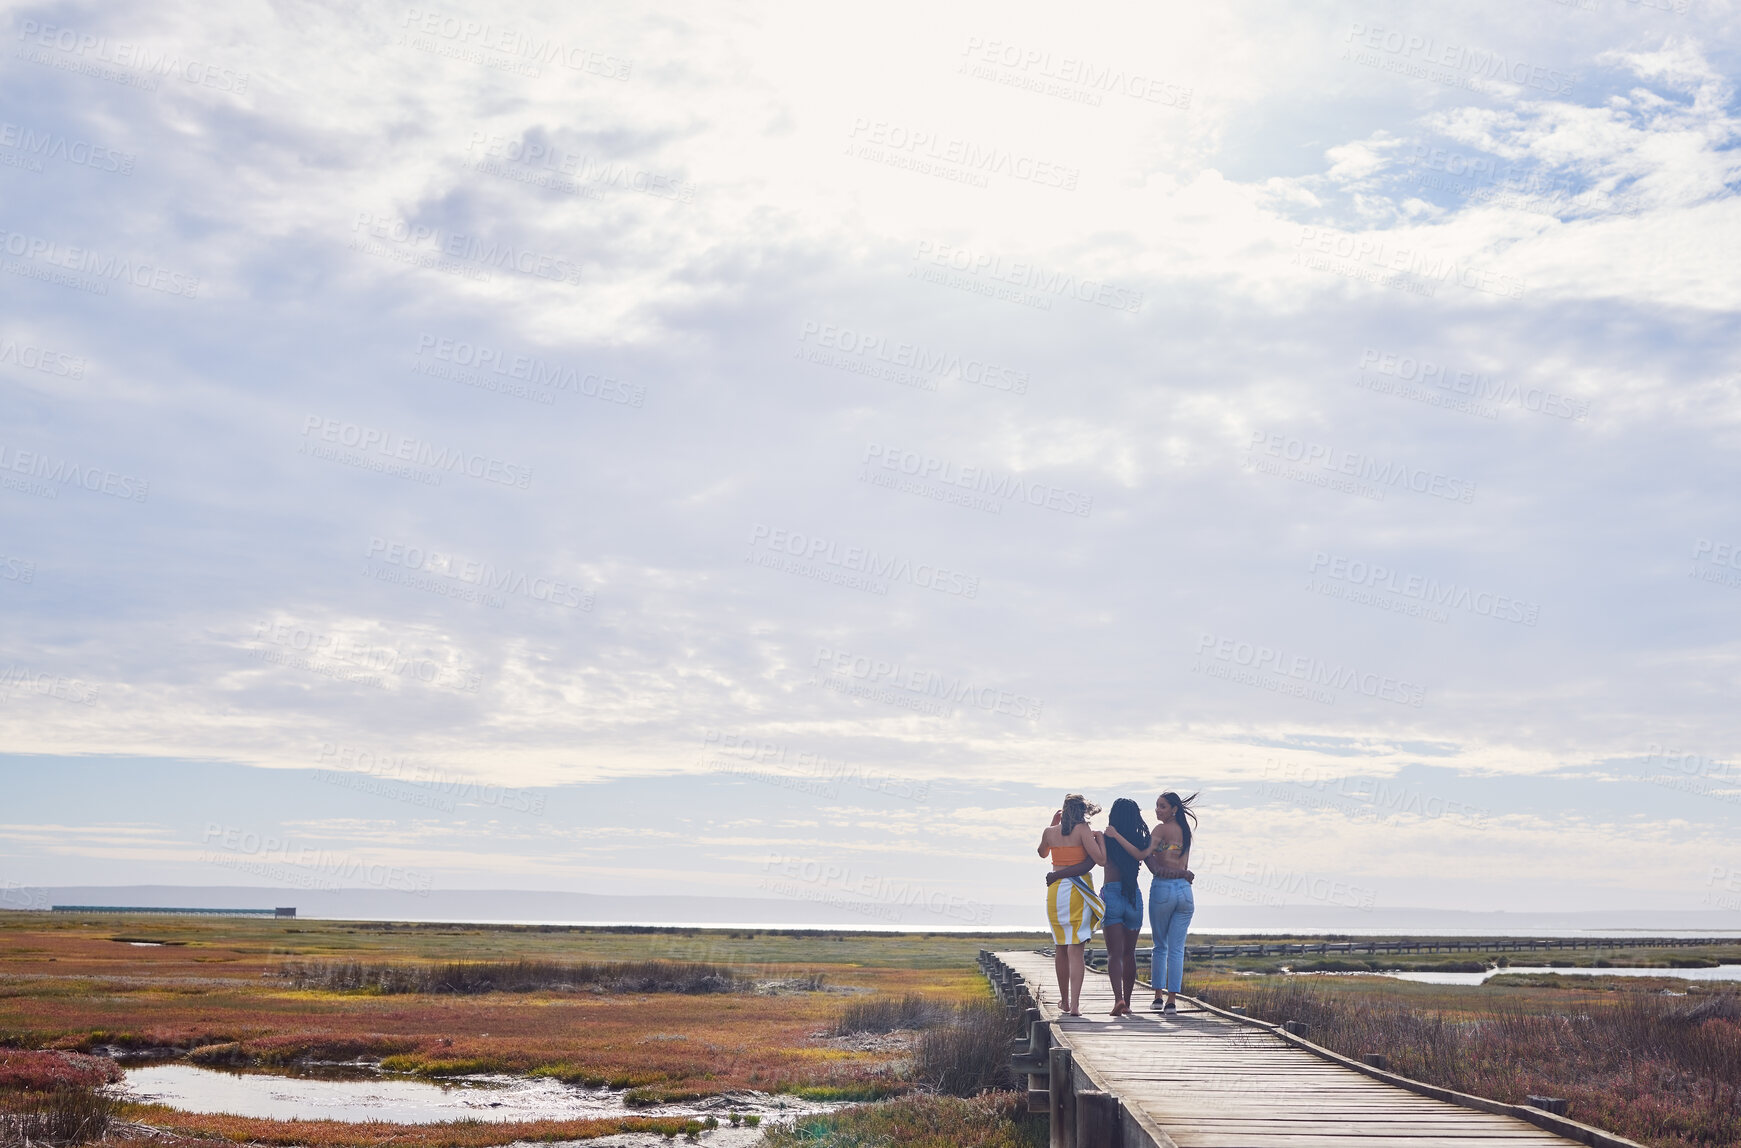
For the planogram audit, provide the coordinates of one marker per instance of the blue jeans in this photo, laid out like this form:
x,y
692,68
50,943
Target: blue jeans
x,y
1171,906
1124,906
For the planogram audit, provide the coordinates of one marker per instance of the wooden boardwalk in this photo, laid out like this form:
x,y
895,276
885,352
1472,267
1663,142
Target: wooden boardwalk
x,y
1206,1079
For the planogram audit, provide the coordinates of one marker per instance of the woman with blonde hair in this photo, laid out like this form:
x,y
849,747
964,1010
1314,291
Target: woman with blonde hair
x,y
1073,909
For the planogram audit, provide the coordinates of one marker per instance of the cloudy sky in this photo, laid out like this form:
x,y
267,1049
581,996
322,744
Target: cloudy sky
x,y
648,448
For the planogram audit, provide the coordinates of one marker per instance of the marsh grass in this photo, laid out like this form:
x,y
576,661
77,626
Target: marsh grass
x,y
468,978
880,1014
992,1120
53,1097
64,1116
1660,1069
962,1049
968,1053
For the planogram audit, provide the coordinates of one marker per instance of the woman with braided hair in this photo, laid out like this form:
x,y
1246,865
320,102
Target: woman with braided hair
x,y
1171,904
1123,898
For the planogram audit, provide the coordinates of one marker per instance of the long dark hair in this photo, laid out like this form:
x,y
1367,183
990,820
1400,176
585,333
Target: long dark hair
x,y
1183,815
1127,818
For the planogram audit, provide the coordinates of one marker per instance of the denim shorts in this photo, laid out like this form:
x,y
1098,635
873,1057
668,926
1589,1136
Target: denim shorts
x,y
1124,905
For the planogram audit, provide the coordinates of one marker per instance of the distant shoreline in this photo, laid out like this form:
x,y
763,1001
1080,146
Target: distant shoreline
x,y
1223,933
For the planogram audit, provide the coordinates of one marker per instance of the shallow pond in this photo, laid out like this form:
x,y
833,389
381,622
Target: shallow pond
x,y
318,1096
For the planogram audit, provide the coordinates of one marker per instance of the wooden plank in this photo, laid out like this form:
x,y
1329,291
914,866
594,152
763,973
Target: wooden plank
x,y
1206,1081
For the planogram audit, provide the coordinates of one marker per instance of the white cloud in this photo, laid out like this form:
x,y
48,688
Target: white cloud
x,y
766,173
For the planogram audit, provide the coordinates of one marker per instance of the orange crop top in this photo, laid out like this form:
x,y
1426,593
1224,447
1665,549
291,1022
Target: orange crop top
x,y
1064,856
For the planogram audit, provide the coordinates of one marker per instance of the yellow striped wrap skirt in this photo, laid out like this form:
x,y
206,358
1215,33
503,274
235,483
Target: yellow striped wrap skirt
x,y
1074,910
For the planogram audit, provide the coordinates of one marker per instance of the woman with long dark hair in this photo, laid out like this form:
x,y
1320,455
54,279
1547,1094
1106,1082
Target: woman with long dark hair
x,y
1072,908
1122,896
1171,904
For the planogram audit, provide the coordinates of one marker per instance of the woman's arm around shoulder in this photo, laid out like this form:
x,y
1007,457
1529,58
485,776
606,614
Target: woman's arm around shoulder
x,y
1090,841
1139,854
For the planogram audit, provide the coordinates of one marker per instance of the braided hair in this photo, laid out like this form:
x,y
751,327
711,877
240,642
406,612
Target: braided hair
x,y
1128,820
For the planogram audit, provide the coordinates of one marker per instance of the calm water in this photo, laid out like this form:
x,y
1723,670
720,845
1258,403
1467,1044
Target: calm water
x,y
1720,973
405,1101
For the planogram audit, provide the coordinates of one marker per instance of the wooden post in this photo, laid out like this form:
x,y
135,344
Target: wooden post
x,y
1099,1123
1061,1072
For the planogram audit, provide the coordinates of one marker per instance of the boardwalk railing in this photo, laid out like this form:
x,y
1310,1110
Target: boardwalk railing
x,y
1211,1079
1446,945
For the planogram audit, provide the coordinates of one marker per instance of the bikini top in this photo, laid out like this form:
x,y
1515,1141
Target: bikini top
x,y
1067,855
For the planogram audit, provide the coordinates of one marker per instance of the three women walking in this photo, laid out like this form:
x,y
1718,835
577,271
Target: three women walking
x,y
1075,911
